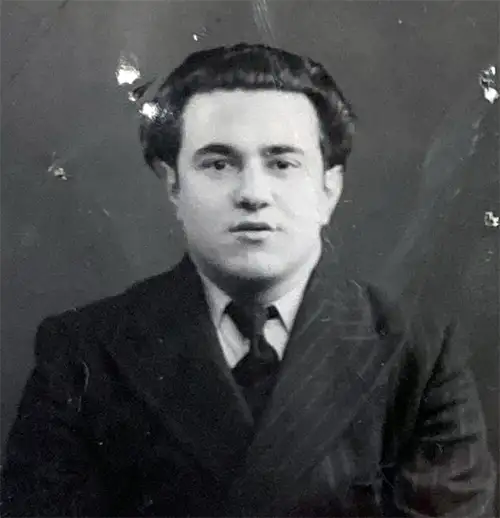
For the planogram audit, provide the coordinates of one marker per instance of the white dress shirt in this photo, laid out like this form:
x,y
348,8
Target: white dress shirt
x,y
276,330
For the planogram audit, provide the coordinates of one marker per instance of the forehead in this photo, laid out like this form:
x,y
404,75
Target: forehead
x,y
248,119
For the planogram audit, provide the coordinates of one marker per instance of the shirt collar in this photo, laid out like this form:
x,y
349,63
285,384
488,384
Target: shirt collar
x,y
216,298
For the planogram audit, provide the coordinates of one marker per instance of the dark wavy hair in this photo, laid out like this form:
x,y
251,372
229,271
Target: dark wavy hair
x,y
248,67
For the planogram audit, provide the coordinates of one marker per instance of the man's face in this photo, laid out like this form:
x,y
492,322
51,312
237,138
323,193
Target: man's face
x,y
252,196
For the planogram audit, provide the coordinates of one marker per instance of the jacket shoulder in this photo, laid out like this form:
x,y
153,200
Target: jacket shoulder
x,y
424,328
387,314
100,320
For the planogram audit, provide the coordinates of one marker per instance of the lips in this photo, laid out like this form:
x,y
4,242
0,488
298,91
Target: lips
x,y
249,226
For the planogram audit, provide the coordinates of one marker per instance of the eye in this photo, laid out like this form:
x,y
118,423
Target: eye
x,y
219,164
282,164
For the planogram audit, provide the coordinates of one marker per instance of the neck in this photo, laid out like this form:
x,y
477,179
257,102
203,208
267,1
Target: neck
x,y
260,291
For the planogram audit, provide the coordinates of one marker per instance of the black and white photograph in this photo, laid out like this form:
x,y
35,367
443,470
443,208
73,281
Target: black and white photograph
x,y
250,258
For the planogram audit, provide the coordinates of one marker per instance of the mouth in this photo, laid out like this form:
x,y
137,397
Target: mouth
x,y
251,232
252,227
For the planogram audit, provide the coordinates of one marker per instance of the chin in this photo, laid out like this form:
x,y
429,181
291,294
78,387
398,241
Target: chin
x,y
250,270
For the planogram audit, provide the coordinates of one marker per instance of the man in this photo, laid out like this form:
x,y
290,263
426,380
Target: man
x,y
254,379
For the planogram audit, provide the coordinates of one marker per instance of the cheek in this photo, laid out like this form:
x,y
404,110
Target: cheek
x,y
303,203
200,208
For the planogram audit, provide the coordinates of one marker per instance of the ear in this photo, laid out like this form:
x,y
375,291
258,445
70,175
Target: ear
x,y
168,175
333,183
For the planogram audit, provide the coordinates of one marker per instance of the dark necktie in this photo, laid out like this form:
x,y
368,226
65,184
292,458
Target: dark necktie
x,y
256,372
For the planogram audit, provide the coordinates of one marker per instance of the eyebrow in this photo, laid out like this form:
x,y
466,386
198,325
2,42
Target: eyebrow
x,y
224,149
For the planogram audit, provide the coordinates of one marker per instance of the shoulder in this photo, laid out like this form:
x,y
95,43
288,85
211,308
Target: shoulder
x,y
108,308
386,313
102,319
423,327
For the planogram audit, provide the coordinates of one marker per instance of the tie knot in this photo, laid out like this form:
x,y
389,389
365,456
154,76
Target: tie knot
x,y
250,319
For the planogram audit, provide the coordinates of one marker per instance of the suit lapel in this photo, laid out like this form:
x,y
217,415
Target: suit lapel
x,y
168,349
334,359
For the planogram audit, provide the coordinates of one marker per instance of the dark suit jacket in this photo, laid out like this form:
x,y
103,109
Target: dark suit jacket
x,y
132,411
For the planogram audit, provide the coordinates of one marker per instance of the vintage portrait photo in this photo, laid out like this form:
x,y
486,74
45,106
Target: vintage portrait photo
x,y
250,258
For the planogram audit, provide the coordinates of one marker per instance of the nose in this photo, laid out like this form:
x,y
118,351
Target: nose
x,y
253,190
